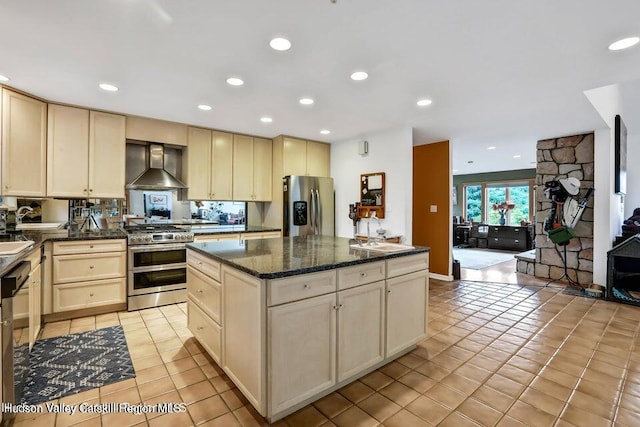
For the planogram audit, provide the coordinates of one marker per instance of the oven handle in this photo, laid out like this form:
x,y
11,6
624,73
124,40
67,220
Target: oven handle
x,y
157,247
161,267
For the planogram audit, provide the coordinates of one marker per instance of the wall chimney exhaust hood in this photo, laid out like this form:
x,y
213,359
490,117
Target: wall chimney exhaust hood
x,y
156,177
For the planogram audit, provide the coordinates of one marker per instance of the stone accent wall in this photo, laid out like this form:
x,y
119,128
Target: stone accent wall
x,y
558,158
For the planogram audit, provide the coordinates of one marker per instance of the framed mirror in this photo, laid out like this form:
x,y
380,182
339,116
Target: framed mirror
x,y
371,195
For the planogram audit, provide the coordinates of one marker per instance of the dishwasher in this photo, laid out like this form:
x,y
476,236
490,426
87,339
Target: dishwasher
x,y
15,358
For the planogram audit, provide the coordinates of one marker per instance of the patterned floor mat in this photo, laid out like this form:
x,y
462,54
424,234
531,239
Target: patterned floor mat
x,y
73,363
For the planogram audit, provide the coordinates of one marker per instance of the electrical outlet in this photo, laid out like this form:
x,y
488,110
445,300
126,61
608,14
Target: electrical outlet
x,y
433,208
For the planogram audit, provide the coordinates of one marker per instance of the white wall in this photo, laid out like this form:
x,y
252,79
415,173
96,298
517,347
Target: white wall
x,y
632,199
391,152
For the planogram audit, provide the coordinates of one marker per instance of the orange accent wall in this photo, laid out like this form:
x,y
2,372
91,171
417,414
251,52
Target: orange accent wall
x,y
431,187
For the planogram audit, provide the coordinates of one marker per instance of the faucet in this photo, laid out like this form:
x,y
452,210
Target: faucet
x,y
21,213
370,240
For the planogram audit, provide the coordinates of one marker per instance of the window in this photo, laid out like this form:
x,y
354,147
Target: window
x,y
473,202
479,199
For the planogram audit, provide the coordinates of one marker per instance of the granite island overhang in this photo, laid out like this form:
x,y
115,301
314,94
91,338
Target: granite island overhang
x,y
292,319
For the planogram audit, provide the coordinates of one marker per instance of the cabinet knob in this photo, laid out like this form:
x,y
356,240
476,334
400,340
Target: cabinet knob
x,y
306,286
200,328
91,190
363,274
335,307
91,267
388,291
90,246
200,291
341,305
90,295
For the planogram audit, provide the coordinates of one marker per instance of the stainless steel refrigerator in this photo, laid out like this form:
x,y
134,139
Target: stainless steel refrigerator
x,y
308,205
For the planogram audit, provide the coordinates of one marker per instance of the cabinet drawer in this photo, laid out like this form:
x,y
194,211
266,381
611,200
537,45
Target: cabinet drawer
x,y
295,288
89,246
74,296
81,268
407,264
361,274
206,331
204,291
204,264
215,237
265,235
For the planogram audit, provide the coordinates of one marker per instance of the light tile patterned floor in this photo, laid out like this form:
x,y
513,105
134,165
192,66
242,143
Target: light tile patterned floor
x,y
498,354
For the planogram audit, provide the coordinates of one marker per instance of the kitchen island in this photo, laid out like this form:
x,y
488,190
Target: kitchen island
x,y
292,319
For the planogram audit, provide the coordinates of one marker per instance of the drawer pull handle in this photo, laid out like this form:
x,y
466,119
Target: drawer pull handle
x,y
200,328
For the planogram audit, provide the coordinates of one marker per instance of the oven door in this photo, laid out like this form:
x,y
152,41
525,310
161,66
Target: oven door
x,y
157,268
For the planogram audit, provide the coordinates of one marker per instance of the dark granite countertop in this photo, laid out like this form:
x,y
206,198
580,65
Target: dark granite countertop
x,y
290,256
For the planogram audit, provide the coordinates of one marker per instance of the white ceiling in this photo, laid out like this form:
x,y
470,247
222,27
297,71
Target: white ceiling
x,y
503,73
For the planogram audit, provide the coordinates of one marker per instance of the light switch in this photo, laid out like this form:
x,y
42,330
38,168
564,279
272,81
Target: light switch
x,y
433,208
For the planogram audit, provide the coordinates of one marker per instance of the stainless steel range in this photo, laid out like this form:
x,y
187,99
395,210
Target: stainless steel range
x,y
157,265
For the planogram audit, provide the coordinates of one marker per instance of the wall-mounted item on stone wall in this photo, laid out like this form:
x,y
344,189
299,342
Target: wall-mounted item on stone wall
x,y
371,195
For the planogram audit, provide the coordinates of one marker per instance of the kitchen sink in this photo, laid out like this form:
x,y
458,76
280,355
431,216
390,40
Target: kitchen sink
x,y
383,247
12,248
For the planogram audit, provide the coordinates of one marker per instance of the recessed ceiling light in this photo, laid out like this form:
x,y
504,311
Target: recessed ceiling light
x,y
3,78
624,43
469,161
266,119
491,148
325,131
517,156
204,107
108,87
306,101
280,43
424,102
234,81
359,75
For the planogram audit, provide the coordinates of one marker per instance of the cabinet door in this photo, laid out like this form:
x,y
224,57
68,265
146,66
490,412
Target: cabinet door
x,y
107,155
407,299
361,328
294,157
199,164
242,167
318,159
262,178
68,152
24,145
35,304
222,166
302,349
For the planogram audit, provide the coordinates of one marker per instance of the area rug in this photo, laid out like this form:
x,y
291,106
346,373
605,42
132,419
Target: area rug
x,y
69,364
477,259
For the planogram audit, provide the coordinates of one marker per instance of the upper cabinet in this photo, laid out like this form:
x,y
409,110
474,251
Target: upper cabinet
x,y
79,143
252,170
209,165
24,145
305,157
144,129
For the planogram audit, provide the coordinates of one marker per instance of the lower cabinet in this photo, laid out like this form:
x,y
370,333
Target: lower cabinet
x,y
206,331
407,298
35,304
88,274
302,349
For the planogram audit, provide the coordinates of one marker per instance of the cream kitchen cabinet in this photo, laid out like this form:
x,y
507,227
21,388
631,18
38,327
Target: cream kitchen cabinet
x,y
145,129
88,273
24,145
209,165
79,144
252,168
305,157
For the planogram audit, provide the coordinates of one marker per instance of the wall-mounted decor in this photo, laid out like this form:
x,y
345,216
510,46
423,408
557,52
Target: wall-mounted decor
x,y
620,171
371,195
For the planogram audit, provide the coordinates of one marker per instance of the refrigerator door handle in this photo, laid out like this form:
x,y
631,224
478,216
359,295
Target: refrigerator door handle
x,y
318,212
312,211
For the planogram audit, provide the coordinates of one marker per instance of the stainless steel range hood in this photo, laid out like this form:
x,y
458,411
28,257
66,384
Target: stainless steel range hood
x,y
156,177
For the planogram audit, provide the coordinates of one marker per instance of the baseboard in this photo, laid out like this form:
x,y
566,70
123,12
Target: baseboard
x,y
440,277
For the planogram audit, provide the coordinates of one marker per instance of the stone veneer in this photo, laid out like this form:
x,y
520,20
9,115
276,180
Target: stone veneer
x,y
558,158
